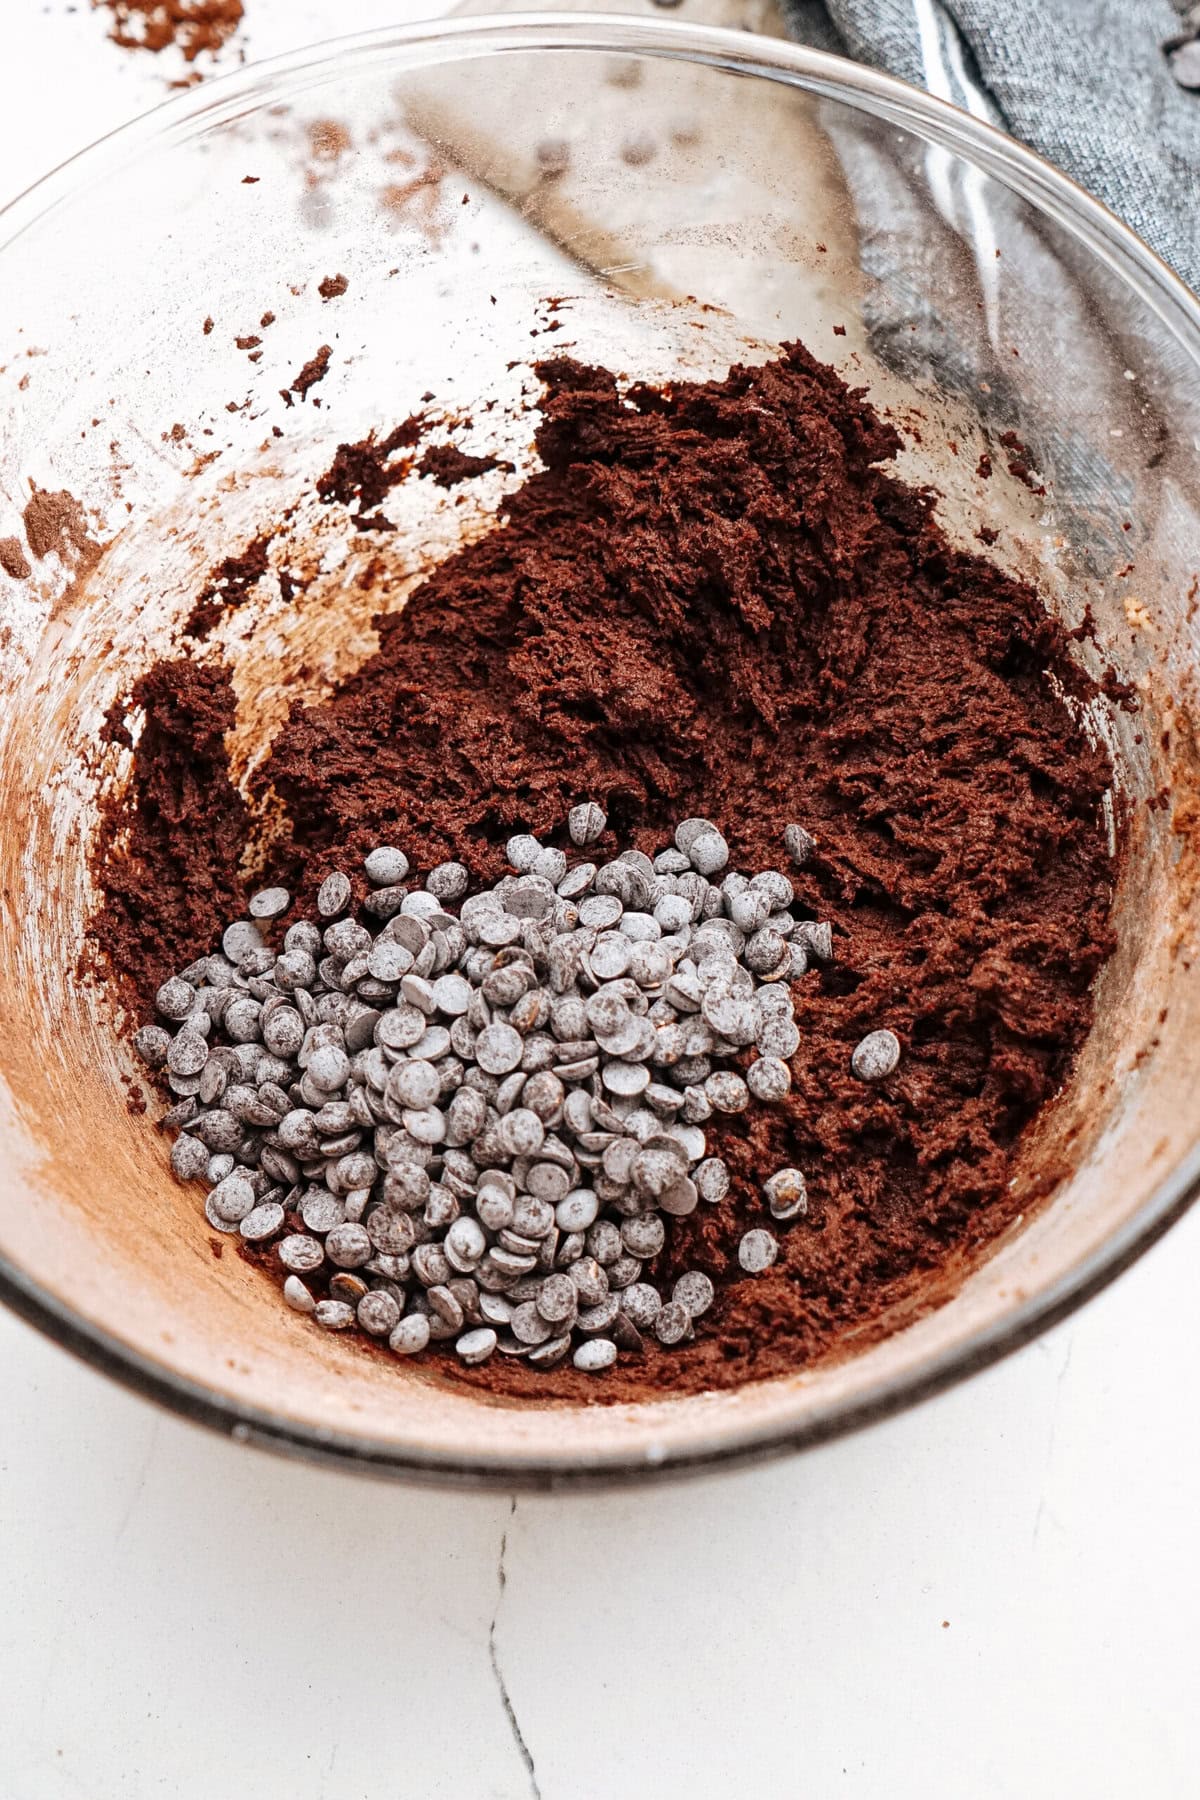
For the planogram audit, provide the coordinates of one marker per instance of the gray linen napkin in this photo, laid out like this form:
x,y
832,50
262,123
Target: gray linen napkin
x,y
1084,82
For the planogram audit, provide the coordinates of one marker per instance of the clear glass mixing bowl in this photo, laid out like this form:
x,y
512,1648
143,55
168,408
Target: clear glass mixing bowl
x,y
690,196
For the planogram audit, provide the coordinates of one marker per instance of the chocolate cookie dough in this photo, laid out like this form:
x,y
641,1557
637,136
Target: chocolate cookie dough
x,y
714,599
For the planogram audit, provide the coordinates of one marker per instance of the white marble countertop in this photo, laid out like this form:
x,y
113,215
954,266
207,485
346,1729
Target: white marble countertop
x,y
992,1596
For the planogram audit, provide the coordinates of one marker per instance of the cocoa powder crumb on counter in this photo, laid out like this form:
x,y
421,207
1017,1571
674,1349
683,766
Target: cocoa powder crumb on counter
x,y
332,287
712,600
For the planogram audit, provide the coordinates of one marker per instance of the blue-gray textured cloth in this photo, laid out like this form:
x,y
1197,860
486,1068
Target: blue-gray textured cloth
x,y
1084,82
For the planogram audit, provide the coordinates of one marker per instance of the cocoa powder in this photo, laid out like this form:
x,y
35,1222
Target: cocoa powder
x,y
55,523
13,559
714,599
192,26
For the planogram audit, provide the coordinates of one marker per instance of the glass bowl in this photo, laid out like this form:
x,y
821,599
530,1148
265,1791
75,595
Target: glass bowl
x,y
690,197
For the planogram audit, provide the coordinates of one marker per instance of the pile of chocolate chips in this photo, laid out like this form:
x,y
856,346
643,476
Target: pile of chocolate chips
x,y
472,1116
712,598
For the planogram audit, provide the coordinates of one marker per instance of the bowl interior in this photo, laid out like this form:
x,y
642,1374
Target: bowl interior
x,y
667,201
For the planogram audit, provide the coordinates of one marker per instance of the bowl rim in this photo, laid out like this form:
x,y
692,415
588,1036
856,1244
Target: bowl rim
x,y
442,41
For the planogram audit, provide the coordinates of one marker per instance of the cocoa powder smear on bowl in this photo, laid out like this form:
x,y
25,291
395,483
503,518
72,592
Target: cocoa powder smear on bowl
x,y
712,599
